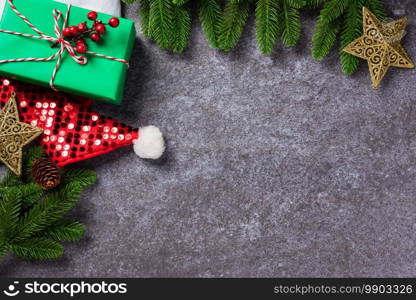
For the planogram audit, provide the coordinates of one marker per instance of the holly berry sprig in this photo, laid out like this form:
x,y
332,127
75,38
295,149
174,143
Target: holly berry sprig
x,y
78,34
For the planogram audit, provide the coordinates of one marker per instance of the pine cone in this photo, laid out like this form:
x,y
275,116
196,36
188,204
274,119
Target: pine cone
x,y
45,173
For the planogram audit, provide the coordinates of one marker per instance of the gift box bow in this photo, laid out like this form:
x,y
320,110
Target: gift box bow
x,y
58,39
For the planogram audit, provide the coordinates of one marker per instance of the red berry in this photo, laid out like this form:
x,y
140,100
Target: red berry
x,y
81,48
81,42
73,30
114,22
92,15
82,27
66,32
95,37
100,28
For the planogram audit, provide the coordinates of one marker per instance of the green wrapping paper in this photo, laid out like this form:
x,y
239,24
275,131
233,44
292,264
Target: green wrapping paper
x,y
100,78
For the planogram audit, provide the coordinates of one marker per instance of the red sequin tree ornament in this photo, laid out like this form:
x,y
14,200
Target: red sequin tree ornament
x,y
72,132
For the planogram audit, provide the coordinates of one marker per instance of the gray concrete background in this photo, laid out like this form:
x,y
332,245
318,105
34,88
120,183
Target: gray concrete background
x,y
276,166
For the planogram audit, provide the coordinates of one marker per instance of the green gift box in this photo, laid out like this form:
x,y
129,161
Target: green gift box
x,y
101,78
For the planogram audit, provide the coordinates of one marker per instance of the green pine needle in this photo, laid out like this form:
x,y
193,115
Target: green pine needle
x,y
10,204
32,154
324,38
314,3
10,180
267,24
353,28
296,3
333,9
37,248
82,177
29,192
32,220
377,8
209,16
182,28
65,231
341,18
161,22
144,15
180,2
48,210
232,24
3,250
291,20
239,1
170,27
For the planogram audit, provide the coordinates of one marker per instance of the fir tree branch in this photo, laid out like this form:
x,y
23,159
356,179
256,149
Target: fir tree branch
x,y
353,23
37,248
273,18
31,155
29,192
145,18
209,16
54,205
65,231
345,15
10,204
333,9
83,177
232,24
32,219
239,1
46,211
10,180
377,8
182,28
291,19
324,38
296,3
267,24
314,3
3,250
180,2
161,22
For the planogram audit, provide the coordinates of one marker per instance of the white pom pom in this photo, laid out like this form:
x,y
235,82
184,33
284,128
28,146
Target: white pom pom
x,y
150,144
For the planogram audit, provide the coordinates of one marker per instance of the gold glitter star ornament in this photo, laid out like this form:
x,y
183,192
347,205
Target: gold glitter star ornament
x,y
380,46
14,135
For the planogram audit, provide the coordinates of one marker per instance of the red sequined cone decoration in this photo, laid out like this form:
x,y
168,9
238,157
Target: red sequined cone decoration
x,y
72,132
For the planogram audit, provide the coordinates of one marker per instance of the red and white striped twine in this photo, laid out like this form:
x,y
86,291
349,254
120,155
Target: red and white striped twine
x,y
64,45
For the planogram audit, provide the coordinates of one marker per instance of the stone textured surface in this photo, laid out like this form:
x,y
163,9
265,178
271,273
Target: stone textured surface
x,y
276,166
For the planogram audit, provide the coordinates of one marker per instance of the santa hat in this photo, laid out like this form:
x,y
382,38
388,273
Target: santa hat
x,y
72,132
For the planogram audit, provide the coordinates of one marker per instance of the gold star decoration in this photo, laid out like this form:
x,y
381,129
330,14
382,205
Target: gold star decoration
x,y
14,135
380,46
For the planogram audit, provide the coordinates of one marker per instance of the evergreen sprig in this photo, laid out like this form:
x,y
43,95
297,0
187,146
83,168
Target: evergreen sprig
x,y
209,16
341,18
32,221
267,24
291,21
168,23
231,24
277,19
181,28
